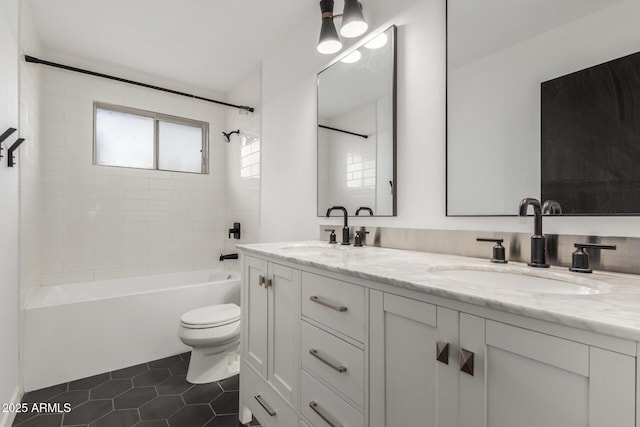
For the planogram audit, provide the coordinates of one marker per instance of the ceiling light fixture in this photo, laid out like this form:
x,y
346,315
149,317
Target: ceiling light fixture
x,y
353,25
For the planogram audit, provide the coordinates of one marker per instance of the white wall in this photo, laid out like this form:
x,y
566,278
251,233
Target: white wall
x,y
289,171
100,222
9,243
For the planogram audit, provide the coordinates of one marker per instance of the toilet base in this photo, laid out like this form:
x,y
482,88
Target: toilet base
x,y
206,368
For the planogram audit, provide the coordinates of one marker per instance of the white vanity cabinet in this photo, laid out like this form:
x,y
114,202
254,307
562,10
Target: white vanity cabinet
x,y
321,349
458,369
270,347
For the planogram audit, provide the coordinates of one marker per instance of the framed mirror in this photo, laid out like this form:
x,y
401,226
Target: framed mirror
x,y
502,57
356,139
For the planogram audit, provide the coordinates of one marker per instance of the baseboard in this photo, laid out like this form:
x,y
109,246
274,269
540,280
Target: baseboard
x,y
6,418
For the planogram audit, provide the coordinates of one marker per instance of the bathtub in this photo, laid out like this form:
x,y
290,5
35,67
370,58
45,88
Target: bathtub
x,y
82,329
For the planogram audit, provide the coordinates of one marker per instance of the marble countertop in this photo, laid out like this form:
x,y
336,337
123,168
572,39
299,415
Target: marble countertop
x,y
610,305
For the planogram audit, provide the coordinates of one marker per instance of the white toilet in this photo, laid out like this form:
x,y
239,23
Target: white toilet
x,y
214,334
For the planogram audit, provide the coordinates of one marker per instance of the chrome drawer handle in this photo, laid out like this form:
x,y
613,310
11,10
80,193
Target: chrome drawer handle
x,y
314,406
315,354
266,407
317,300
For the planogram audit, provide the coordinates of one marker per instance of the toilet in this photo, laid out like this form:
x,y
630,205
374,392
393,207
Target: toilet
x,y
214,333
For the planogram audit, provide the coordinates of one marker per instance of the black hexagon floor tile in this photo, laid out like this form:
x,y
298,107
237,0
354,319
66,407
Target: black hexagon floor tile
x,y
89,383
151,378
226,403
152,394
231,384
135,398
167,362
110,389
161,407
191,416
87,412
47,420
202,393
123,418
174,385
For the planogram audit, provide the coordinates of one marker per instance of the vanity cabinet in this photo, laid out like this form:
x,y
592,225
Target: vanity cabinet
x,y
463,370
321,348
270,345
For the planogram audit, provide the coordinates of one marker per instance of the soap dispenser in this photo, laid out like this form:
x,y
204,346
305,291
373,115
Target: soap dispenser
x,y
498,250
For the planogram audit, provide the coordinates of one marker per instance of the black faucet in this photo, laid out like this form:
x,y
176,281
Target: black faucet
x,y
364,208
345,229
229,256
538,255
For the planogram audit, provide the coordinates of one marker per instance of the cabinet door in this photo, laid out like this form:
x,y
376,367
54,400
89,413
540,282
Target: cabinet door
x,y
255,308
283,325
534,379
404,372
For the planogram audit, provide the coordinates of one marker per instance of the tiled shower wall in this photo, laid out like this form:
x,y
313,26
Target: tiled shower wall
x,y
29,159
98,222
243,163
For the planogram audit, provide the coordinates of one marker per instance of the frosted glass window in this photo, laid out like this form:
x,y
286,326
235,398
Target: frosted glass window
x,y
124,139
143,139
179,147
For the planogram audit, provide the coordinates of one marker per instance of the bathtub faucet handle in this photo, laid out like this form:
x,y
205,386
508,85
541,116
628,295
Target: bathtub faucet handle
x,y
235,231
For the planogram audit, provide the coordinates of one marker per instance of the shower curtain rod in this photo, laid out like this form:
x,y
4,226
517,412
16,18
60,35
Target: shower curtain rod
x,y
344,131
120,79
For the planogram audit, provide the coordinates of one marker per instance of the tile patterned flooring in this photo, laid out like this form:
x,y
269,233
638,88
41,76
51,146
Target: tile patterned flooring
x,y
153,394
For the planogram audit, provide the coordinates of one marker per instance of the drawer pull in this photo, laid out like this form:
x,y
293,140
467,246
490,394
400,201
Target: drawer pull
x,y
442,352
314,406
266,407
261,280
315,354
268,283
466,361
317,300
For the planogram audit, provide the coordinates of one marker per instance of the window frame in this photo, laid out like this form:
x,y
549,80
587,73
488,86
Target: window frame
x,y
157,118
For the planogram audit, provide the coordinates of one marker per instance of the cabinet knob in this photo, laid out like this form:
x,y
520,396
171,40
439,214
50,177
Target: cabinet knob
x,y
466,361
268,283
442,352
261,280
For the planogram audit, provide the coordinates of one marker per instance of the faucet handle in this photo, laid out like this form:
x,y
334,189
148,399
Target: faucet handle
x,y
332,236
580,258
357,240
498,250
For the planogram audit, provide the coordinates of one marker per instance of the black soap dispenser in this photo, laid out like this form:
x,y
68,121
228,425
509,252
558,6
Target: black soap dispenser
x,y
332,236
498,250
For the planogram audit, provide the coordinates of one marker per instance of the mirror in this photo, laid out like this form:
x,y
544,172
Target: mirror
x,y
356,139
498,55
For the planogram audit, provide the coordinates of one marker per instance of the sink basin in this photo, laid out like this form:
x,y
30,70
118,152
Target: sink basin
x,y
525,281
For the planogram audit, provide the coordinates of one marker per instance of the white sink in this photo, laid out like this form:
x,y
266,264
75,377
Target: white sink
x,y
550,283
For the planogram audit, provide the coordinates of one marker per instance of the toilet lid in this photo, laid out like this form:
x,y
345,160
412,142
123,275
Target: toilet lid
x,y
211,316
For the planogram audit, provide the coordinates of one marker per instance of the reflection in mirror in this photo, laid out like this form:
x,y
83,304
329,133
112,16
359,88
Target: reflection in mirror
x,y
356,129
498,57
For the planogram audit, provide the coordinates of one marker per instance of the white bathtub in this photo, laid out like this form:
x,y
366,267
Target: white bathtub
x,y
82,329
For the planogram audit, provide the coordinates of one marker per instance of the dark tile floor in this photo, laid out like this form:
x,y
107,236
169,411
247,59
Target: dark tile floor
x,y
153,394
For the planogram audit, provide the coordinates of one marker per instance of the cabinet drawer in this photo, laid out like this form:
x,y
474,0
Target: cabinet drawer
x,y
264,402
337,362
327,407
337,304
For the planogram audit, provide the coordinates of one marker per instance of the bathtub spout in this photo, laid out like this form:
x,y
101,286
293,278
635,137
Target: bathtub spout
x,y
229,256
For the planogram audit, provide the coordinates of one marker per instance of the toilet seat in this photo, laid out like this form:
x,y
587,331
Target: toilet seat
x,y
211,316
